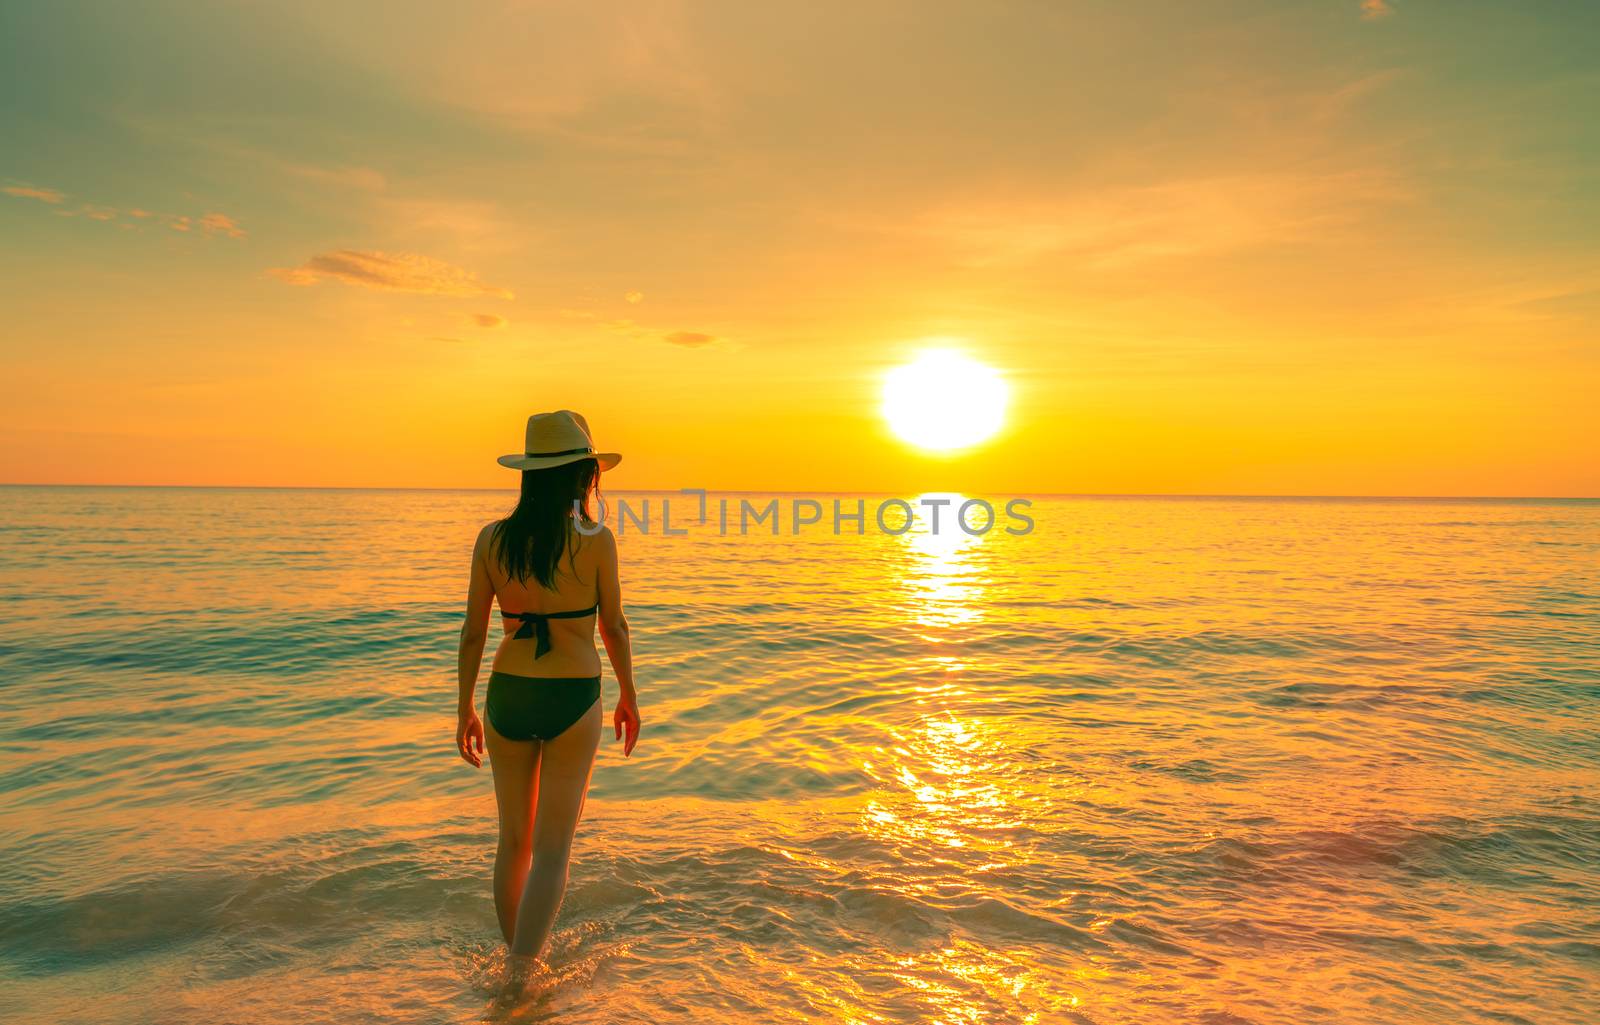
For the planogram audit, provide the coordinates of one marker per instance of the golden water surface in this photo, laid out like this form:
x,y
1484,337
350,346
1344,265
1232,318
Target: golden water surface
x,y
1219,761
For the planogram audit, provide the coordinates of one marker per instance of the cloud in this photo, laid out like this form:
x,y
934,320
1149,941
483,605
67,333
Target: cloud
x,y
363,179
213,223
391,272
1579,305
29,192
634,297
471,225
488,320
633,78
222,224
1122,226
689,339
1374,9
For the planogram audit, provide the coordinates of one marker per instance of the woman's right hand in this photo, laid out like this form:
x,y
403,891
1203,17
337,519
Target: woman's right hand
x,y
626,717
469,737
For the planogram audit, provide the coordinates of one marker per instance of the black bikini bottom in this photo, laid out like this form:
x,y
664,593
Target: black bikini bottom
x,y
538,707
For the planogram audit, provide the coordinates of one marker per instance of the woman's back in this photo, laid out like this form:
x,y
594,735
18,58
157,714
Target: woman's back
x,y
555,586
571,650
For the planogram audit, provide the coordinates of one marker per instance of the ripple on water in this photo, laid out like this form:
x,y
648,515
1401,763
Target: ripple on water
x,y
1210,761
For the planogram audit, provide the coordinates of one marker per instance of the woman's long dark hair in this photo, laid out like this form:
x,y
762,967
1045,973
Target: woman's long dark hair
x,y
530,541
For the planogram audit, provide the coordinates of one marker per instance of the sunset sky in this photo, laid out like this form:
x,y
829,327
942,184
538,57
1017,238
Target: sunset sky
x,y
1275,247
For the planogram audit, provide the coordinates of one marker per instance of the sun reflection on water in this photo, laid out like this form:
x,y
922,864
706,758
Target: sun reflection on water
x,y
957,983
949,801
941,572
942,786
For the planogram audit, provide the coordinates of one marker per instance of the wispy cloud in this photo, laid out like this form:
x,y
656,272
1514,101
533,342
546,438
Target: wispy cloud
x,y
490,320
211,223
1371,9
222,224
1117,227
634,297
690,339
30,192
391,272
363,179
1580,305
629,79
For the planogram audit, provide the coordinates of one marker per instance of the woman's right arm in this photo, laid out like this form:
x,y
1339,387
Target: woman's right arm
x,y
469,656
614,633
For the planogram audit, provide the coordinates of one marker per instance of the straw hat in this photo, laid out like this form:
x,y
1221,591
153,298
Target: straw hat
x,y
555,439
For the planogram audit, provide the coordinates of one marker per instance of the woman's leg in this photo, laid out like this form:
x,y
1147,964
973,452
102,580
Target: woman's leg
x,y
516,780
564,767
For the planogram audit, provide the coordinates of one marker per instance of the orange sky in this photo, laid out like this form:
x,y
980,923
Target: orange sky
x,y
1336,248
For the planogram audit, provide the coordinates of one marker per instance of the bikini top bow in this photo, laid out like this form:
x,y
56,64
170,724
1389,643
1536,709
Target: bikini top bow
x,y
537,625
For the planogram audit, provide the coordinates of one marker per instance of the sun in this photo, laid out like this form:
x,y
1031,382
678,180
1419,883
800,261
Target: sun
x,y
943,401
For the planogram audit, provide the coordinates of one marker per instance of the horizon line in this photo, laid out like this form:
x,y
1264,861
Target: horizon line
x,y
769,491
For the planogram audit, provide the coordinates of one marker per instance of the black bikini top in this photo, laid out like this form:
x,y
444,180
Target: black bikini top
x,y
537,624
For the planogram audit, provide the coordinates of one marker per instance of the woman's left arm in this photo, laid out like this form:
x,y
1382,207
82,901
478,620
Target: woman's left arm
x,y
474,634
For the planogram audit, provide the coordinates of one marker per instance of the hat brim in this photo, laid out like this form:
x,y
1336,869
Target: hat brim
x,y
519,461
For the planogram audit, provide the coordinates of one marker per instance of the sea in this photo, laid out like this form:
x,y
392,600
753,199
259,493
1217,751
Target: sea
x,y
1151,760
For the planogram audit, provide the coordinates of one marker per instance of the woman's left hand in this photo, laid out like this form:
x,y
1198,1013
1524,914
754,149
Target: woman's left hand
x,y
469,738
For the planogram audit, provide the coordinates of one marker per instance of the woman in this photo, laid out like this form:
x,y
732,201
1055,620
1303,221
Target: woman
x,y
553,568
